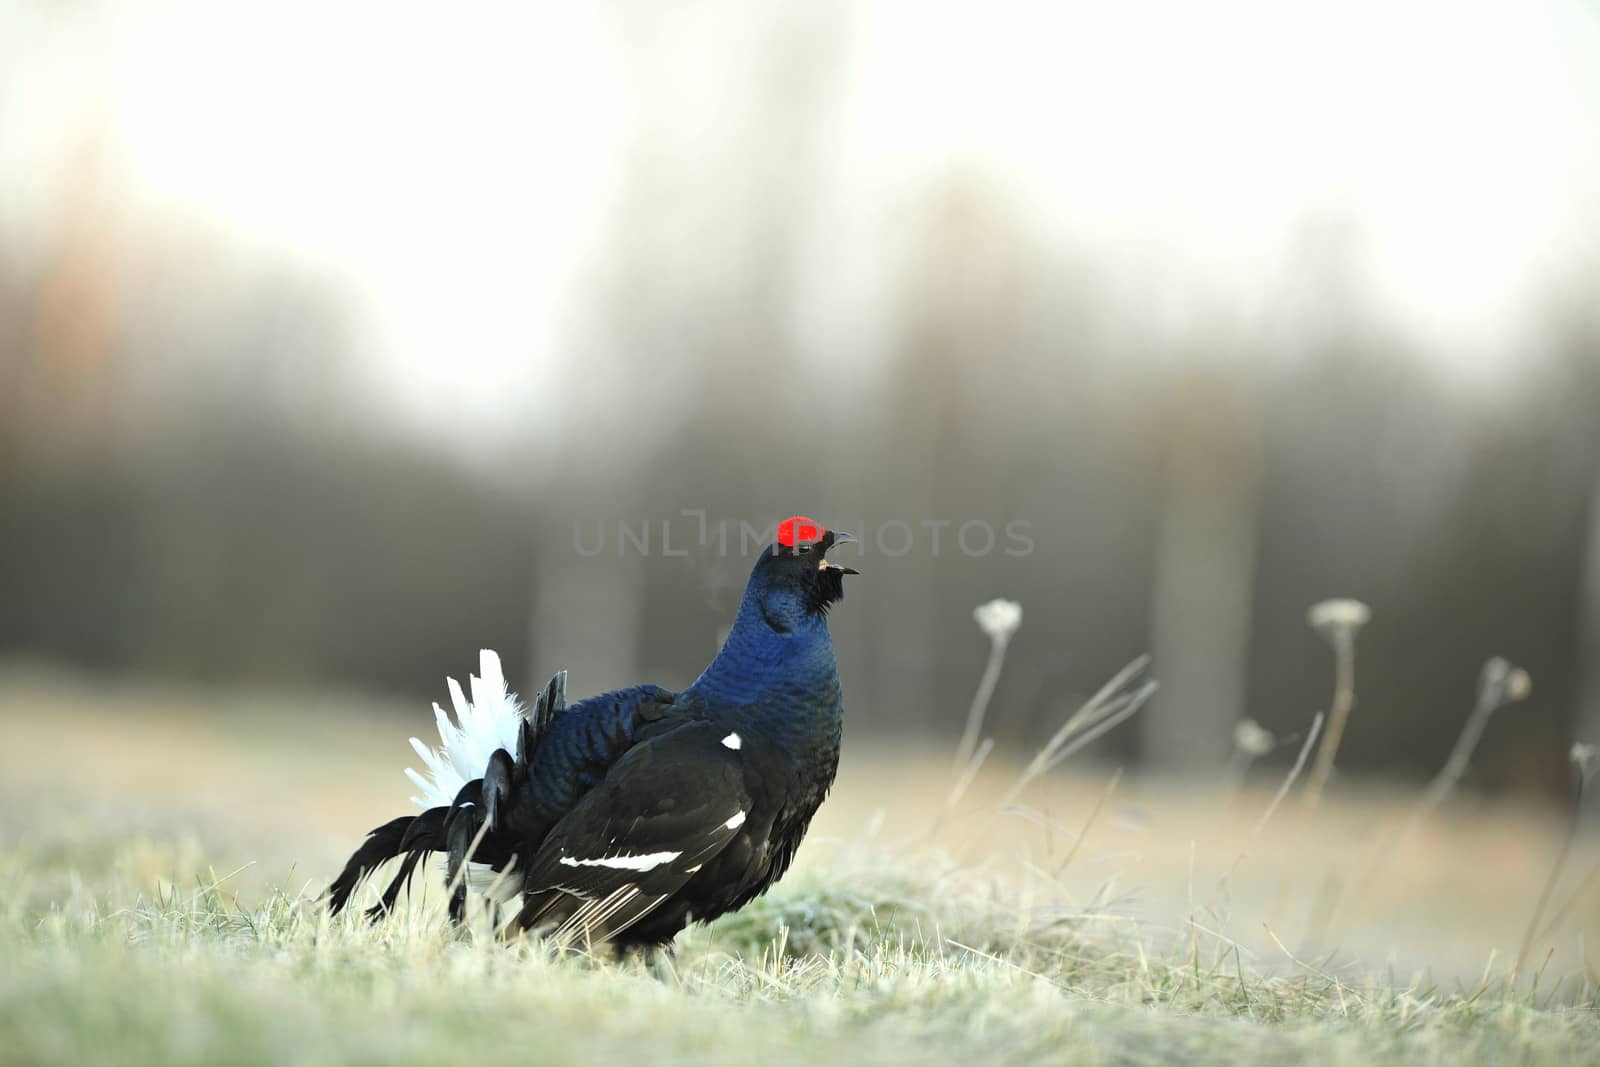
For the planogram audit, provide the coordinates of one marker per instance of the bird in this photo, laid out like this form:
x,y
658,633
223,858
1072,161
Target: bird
x,y
621,818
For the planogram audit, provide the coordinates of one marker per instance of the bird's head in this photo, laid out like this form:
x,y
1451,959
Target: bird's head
x,y
793,582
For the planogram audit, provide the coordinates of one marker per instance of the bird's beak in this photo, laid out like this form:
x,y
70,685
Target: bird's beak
x,y
840,537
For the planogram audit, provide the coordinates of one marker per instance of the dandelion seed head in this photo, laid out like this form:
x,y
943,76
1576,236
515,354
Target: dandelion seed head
x,y
1502,683
1251,738
1339,611
1338,617
999,618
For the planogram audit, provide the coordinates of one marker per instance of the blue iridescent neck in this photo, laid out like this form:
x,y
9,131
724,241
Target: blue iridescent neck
x,y
759,665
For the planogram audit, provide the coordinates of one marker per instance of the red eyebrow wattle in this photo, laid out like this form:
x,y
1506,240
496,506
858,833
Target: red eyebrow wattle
x,y
798,530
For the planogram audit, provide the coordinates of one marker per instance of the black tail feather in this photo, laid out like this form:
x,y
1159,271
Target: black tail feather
x,y
552,700
402,879
427,832
382,844
460,827
498,781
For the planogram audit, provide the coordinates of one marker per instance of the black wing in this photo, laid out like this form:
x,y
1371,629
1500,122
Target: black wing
x,y
668,806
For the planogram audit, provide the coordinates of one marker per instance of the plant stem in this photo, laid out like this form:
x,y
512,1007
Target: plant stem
x,y
980,704
1550,882
1344,696
1491,698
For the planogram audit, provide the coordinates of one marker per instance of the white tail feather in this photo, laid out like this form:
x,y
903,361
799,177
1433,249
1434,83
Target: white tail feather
x,y
491,719
499,886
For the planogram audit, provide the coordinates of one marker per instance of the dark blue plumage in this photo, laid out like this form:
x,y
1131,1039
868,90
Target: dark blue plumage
x,y
580,746
629,814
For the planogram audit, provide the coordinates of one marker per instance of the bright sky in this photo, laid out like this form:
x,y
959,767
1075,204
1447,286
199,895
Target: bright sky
x,y
449,164
1461,139
456,165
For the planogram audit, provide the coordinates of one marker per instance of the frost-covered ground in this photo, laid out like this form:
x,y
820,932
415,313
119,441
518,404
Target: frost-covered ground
x,y
1097,920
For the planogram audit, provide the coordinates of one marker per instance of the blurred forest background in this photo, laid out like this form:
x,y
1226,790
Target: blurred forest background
x,y
324,331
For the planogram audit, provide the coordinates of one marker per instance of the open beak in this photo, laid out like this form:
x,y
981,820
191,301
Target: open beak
x,y
838,537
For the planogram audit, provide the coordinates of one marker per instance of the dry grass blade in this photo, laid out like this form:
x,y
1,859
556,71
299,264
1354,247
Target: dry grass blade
x,y
1311,968
1272,808
1289,779
1532,936
1115,712
472,850
1108,707
973,766
1088,824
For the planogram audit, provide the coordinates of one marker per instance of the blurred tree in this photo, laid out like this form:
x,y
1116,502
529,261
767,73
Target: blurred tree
x,y
1205,566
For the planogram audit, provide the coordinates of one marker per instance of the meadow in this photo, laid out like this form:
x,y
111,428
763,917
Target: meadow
x,y
163,848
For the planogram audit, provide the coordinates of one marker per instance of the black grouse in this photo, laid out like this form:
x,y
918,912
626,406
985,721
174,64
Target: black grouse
x,y
624,817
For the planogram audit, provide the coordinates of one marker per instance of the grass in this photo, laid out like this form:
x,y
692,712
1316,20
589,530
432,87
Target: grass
x,y
1091,919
